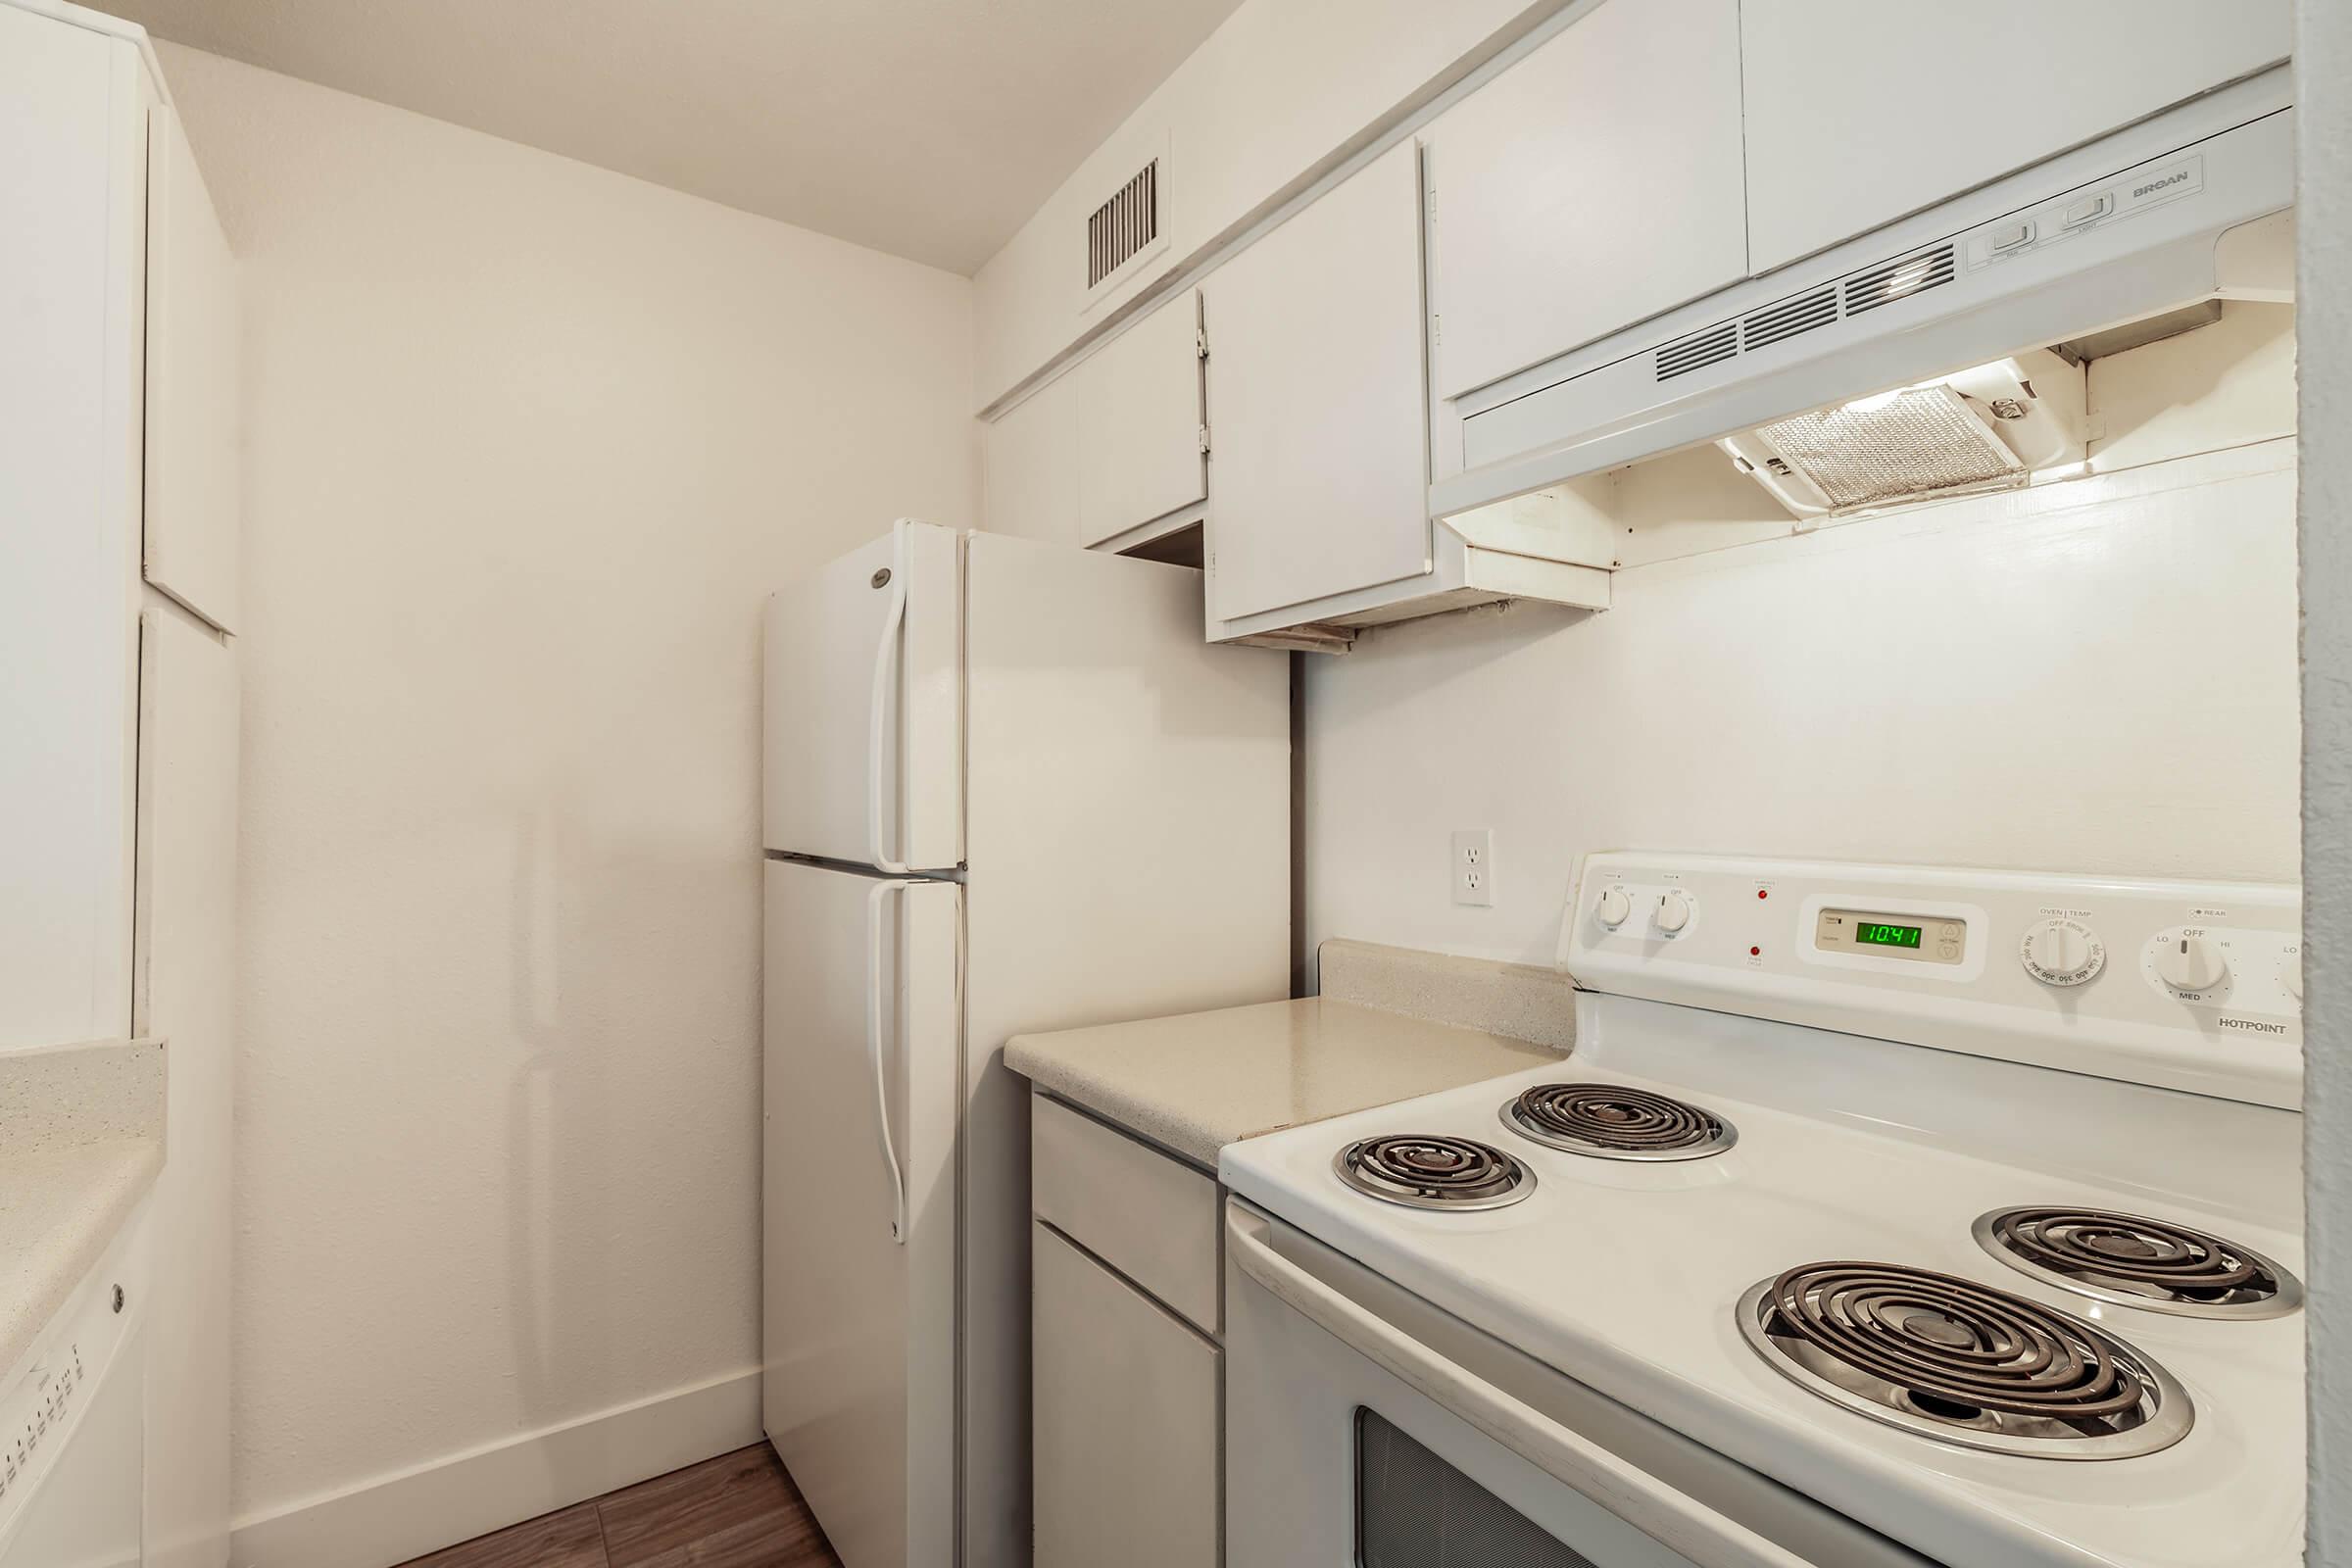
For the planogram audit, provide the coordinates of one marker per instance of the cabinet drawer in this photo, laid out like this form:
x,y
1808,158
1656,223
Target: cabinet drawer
x,y
1148,1215
1126,1421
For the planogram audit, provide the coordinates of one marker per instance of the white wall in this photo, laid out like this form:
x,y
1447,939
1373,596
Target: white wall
x,y
2324,135
528,441
2096,675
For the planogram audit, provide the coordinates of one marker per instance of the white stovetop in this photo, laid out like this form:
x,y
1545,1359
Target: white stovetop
x,y
1625,1275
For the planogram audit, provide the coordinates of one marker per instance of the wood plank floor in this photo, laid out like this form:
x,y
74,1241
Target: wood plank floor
x,y
739,1511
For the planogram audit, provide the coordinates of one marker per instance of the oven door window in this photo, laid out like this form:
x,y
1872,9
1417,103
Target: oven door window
x,y
1413,1510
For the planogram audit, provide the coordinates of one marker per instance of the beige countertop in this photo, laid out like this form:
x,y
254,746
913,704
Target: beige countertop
x,y
82,1139
1198,1081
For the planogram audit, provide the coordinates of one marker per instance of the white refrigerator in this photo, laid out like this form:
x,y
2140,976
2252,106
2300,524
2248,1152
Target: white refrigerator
x,y
1008,787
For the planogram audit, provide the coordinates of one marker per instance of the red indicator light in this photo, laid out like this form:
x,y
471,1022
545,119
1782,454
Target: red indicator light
x,y
1755,953
1762,894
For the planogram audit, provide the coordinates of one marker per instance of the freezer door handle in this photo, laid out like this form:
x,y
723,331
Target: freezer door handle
x,y
881,733
1651,1505
874,1011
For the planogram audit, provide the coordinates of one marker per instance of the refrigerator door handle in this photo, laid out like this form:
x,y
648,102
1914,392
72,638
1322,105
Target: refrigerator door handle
x,y
874,1050
882,799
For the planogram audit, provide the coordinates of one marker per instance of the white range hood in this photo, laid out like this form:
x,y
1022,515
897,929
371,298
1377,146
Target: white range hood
x,y
2190,206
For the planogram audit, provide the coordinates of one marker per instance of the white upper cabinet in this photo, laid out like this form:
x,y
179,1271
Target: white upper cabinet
x,y
193,485
1318,431
1594,184
1110,445
71,136
1139,423
1860,111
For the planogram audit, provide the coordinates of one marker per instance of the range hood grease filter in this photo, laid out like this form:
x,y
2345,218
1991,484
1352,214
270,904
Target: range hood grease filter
x,y
1922,441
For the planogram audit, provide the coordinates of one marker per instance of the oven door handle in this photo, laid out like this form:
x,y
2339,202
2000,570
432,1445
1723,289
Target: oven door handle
x,y
1707,1537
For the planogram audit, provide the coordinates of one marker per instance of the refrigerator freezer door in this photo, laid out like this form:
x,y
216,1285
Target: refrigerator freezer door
x,y
858,1326
863,701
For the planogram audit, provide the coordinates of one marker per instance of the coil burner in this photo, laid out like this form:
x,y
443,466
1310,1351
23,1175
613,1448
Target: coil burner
x,y
2136,1261
1611,1121
1428,1171
1949,1358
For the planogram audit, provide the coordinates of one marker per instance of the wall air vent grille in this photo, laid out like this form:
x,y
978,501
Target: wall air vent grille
x,y
1788,318
1122,227
1698,350
1890,282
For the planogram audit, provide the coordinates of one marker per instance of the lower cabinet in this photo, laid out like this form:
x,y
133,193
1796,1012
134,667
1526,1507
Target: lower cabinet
x,y
1126,1302
1126,1397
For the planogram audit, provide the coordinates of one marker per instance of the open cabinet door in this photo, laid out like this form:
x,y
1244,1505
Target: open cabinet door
x,y
194,484
862,1086
185,967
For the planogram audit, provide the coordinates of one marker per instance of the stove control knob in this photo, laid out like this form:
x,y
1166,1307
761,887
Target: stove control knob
x,y
1674,913
1613,908
2062,952
2189,963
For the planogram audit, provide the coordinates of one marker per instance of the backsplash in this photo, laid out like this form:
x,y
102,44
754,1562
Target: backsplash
x,y
1519,1000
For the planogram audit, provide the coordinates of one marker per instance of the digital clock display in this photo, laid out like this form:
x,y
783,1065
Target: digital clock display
x,y
1871,934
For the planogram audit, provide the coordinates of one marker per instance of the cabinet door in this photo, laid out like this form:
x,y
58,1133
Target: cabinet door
x,y
1859,111
1126,1421
1112,444
1029,470
186,965
69,562
193,485
1139,423
1594,184
1318,437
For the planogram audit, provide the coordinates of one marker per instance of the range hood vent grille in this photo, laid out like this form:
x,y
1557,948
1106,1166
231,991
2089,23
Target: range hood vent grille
x,y
1788,318
1897,280
1699,350
1885,283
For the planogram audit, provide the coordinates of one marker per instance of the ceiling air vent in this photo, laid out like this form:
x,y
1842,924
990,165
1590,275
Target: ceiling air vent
x,y
1124,226
1890,282
1788,318
1698,350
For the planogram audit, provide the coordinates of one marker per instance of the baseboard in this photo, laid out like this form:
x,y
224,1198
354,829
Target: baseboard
x,y
407,1514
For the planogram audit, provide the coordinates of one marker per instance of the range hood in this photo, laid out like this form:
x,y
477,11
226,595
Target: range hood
x,y
1850,356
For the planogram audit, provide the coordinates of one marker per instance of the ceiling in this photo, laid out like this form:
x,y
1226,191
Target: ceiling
x,y
928,128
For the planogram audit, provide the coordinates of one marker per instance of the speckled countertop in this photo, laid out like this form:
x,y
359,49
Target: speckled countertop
x,y
1198,1081
82,1139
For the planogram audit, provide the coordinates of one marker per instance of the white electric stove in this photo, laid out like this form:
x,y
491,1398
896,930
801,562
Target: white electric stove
x,y
1881,1215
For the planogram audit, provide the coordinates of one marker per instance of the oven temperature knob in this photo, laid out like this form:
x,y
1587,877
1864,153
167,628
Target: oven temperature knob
x,y
1614,908
2189,963
1674,913
2063,953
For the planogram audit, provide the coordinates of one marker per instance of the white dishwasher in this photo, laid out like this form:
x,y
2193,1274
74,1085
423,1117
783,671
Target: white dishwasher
x,y
71,1425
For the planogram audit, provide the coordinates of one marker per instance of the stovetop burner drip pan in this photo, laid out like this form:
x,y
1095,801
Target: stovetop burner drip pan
x,y
1961,1362
2134,1260
1616,1121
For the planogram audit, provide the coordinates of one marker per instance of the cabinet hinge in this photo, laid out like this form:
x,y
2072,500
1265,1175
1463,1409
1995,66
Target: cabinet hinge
x,y
1201,342
1204,440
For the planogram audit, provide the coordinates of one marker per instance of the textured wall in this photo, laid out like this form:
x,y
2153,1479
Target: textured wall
x,y
1991,682
528,441
2324,109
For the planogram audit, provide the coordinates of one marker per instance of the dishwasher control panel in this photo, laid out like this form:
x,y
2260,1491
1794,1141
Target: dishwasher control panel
x,y
53,1382
2187,985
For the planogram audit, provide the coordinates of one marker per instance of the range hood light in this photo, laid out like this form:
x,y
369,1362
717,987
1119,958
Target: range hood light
x,y
1991,427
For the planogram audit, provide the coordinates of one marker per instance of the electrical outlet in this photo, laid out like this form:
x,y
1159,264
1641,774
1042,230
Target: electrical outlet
x,y
1474,867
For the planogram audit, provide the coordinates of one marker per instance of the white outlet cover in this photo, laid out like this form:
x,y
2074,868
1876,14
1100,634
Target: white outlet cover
x,y
1472,866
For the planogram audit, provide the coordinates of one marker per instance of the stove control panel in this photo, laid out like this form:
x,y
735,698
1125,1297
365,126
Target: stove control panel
x,y
2190,986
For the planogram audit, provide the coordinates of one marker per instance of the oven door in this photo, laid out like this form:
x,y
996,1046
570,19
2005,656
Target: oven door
x,y
1367,1429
